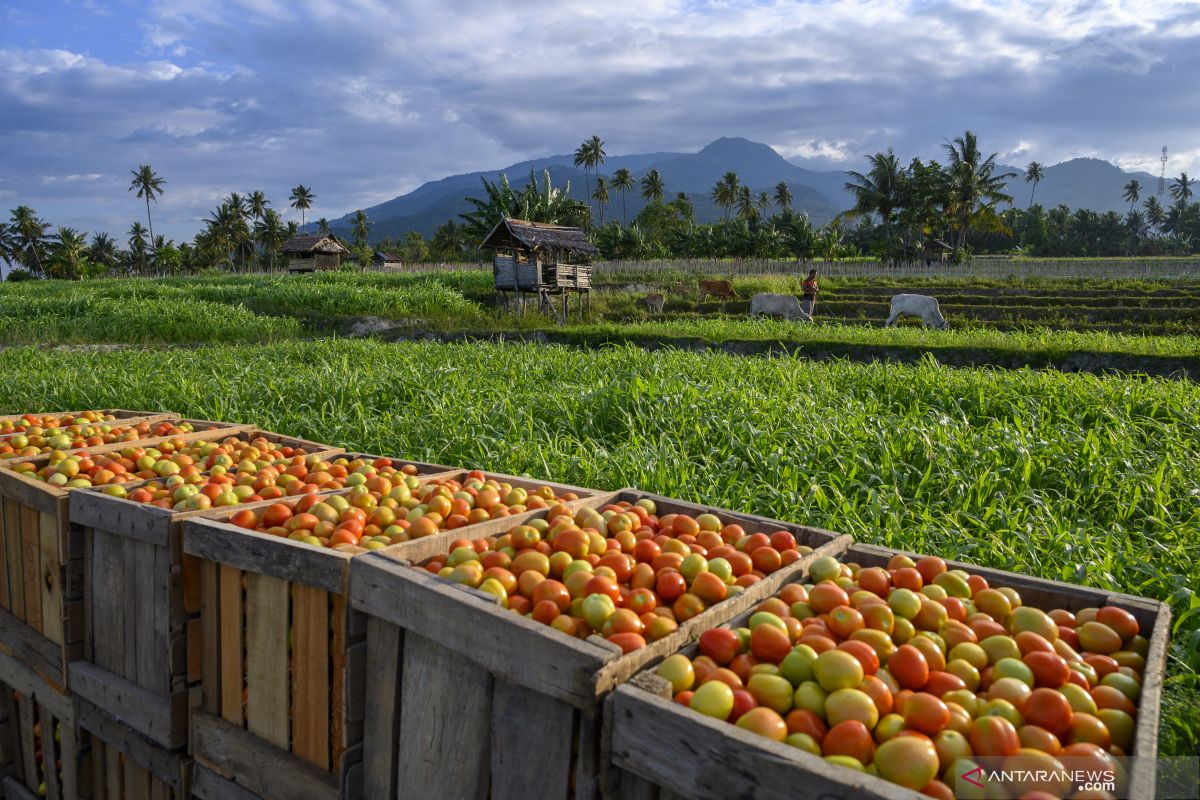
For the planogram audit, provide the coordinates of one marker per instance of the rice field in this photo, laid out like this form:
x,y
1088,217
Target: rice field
x,y
1070,477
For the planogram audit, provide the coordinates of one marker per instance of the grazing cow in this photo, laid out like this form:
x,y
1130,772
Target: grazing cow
x,y
653,303
721,289
779,305
917,305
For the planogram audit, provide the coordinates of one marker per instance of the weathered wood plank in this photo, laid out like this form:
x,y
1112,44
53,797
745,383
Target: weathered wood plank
x,y
30,648
310,675
271,555
210,643
382,725
5,597
94,509
190,565
31,570
50,563
106,627
25,718
160,717
137,782
445,718
35,494
267,658
50,751
531,741
1145,743
339,736
15,790
12,557
208,785
150,591
165,765
255,765
131,596
508,645
231,653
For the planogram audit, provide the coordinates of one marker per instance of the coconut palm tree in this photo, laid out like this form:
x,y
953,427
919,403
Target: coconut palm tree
x,y
1155,214
137,246
30,233
783,196
362,228
975,188
725,192
1033,174
745,203
323,226
269,233
762,202
1131,192
68,255
257,204
1181,188
149,187
624,182
601,196
103,251
878,192
589,155
8,244
302,199
652,186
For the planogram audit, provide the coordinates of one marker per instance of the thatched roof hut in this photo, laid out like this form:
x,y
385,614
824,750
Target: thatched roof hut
x,y
314,251
522,235
381,259
540,257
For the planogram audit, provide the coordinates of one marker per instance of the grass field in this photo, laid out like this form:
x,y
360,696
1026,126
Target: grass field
x,y
1070,477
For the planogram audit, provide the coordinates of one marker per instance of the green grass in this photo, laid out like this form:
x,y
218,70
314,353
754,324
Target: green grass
x,y
1070,477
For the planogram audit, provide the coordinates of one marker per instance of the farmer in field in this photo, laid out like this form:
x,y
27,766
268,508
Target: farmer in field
x,y
809,292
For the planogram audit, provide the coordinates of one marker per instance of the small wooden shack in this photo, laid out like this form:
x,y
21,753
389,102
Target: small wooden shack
x,y
383,260
543,260
936,252
314,251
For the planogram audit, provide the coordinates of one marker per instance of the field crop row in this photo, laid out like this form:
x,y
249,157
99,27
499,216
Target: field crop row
x,y
1069,477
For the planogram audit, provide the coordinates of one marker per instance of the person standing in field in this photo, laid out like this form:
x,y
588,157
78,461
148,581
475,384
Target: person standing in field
x,y
809,292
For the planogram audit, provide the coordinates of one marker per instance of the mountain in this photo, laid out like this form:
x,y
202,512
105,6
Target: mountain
x,y
1079,183
1082,183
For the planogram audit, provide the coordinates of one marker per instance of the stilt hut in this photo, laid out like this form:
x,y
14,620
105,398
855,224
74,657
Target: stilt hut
x,y
314,251
542,260
936,252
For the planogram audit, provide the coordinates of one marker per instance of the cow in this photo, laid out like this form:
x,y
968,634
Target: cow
x,y
917,305
721,289
779,305
653,303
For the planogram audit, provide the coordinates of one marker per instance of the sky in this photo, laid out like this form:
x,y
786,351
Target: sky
x,y
363,100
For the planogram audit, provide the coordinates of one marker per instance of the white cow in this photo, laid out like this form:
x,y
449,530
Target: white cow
x,y
779,305
917,305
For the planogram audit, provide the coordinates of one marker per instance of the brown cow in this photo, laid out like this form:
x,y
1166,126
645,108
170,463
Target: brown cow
x,y
653,303
722,289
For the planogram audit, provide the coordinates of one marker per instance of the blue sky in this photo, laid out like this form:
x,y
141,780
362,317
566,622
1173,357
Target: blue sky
x,y
366,99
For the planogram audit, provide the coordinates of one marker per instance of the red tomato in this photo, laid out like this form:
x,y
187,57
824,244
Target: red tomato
x,y
1049,669
909,667
670,586
720,644
769,643
926,713
994,736
849,738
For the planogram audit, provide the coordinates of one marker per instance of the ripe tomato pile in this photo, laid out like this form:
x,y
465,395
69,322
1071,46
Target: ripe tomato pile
x,y
390,506
37,440
621,572
913,671
23,423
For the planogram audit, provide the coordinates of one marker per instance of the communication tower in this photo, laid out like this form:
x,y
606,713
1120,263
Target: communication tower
x,y
1162,175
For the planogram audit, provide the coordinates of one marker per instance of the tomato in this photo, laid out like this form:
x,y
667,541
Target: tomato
x,y
909,667
834,669
670,586
910,761
844,621
628,642
993,736
686,606
849,738
879,693
1119,620
875,580
709,588
800,720
926,713
1049,668
1030,771
765,722
845,704
826,596
772,691
713,699
770,643
865,654
941,682
720,644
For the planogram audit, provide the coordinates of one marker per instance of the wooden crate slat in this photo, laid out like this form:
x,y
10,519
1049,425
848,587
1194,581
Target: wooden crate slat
x,y
12,558
208,785
128,609
338,724
437,686
170,767
256,765
258,552
31,570
161,718
28,742
385,664
535,762
210,640
50,582
310,675
49,753
231,658
106,592
267,658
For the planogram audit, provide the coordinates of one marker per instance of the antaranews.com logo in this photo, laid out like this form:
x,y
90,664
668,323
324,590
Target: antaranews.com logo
x,y
1041,775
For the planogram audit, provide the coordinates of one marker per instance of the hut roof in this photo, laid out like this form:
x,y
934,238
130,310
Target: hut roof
x,y
937,244
538,234
383,255
314,243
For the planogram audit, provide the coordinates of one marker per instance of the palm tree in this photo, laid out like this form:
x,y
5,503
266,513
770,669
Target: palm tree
x,y
878,192
623,181
302,199
149,186
30,232
362,228
257,204
601,196
1132,191
762,202
103,251
269,233
589,155
8,244
1155,214
323,226
783,196
1181,188
975,189
725,193
745,203
1033,174
137,245
68,255
652,186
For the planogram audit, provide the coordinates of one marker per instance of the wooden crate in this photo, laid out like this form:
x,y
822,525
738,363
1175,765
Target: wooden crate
x,y
39,726
41,568
280,718
141,607
117,413
469,699
424,469
705,759
126,766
